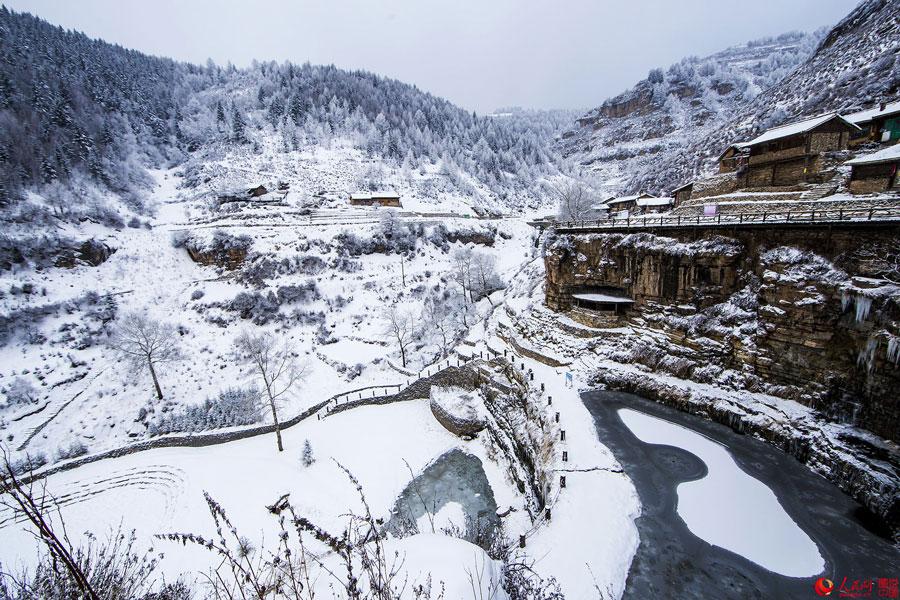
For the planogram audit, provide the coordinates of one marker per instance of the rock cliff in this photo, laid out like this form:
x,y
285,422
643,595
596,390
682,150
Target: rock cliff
x,y
808,315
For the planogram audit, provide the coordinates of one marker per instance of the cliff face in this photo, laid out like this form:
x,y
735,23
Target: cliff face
x,y
806,315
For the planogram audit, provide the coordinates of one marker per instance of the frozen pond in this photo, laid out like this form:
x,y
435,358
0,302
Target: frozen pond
x,y
728,507
725,515
453,491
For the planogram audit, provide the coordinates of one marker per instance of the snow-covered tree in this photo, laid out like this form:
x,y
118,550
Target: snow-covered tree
x,y
274,365
308,459
146,344
399,327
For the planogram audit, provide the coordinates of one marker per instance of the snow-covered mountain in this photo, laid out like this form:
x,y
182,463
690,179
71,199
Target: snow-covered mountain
x,y
74,109
670,127
645,126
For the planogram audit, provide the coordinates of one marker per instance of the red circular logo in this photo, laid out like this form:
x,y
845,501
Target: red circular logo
x,y
824,586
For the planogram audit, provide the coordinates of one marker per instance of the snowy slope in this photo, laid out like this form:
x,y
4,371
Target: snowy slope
x,y
668,131
632,134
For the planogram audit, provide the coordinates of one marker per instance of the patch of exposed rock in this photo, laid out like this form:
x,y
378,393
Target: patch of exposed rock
x,y
458,410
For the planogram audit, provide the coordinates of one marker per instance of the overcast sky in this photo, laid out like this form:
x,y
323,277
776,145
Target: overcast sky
x,y
480,54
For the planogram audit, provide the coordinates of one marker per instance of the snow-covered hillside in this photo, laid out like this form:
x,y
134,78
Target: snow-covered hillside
x,y
629,138
314,274
670,128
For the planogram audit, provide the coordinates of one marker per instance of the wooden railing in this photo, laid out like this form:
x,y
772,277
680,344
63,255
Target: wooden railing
x,y
774,217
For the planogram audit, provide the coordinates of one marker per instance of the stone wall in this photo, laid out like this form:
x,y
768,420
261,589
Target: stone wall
x,y
802,319
869,185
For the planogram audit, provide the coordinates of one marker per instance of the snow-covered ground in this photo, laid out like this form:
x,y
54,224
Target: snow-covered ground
x,y
84,392
87,395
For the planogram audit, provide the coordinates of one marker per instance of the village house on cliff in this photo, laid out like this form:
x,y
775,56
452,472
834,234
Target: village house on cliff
x,y
794,153
879,124
876,172
623,206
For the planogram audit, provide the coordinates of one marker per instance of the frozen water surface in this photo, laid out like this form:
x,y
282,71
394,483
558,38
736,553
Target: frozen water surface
x,y
728,507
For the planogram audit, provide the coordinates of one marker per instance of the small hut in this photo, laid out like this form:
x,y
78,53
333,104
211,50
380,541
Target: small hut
x,y
256,192
654,205
376,199
793,153
878,124
876,172
682,194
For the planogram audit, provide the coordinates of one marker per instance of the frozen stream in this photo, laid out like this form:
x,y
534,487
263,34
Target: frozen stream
x,y
728,507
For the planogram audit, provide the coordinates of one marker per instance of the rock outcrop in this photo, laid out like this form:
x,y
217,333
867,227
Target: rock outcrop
x,y
809,315
458,410
91,252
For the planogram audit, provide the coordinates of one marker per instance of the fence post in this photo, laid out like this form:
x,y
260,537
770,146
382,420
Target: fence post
x,y
562,481
549,400
522,541
547,514
870,214
840,214
542,386
557,420
565,456
562,435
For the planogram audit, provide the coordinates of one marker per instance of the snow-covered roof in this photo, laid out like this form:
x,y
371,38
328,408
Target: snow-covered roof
x,y
602,206
783,131
654,201
864,116
604,298
373,195
889,154
736,146
631,198
683,187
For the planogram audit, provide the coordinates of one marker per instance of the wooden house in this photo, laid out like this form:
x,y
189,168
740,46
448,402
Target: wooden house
x,y
793,153
654,205
624,205
876,172
682,194
878,124
256,192
376,199
733,159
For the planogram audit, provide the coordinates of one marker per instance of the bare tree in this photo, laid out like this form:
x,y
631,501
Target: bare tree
x,y
461,271
399,326
879,259
146,344
574,200
440,320
275,365
485,279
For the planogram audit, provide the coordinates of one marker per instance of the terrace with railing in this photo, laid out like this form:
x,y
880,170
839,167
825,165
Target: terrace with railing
x,y
775,217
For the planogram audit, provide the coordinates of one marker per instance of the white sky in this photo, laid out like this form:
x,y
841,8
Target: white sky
x,y
479,54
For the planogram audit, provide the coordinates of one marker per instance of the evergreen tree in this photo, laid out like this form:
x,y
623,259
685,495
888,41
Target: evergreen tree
x,y
237,125
307,458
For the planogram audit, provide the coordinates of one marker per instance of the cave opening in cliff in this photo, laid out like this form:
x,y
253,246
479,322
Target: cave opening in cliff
x,y
603,299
